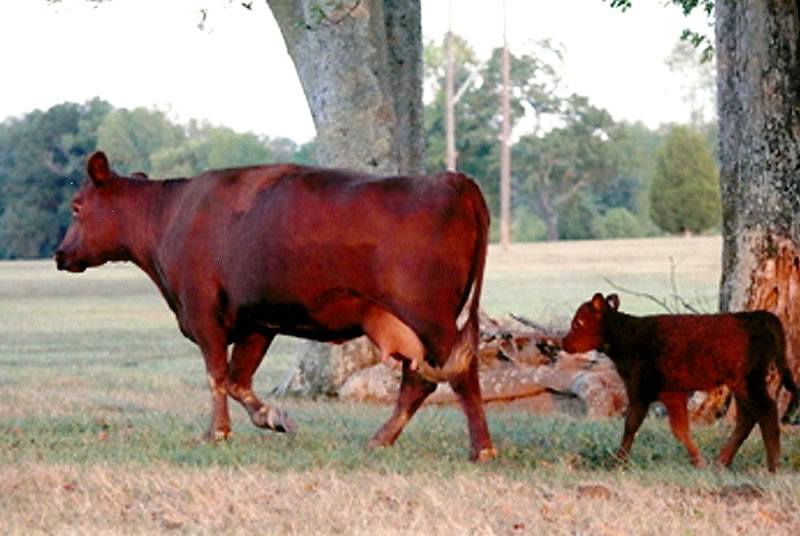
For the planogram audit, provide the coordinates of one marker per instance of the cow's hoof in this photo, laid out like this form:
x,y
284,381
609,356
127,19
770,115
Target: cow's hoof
x,y
274,419
216,436
485,455
377,443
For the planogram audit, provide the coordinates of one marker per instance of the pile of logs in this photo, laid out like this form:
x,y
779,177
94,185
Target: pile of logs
x,y
521,365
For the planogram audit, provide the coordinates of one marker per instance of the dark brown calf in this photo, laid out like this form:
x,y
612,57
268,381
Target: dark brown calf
x,y
666,357
241,255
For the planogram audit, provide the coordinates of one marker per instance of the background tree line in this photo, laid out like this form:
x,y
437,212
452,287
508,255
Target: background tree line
x,y
576,173
43,156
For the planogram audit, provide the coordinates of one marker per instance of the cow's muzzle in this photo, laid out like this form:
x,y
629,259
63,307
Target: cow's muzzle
x,y
64,263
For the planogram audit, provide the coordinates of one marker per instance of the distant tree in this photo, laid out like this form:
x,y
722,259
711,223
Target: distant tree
x,y
211,147
42,158
208,147
617,222
134,136
533,81
306,153
685,189
699,82
553,168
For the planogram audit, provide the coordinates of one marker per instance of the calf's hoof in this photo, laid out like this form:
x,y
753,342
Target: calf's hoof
x,y
273,419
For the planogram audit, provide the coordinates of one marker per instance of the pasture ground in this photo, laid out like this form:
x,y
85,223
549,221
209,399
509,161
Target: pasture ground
x,y
102,404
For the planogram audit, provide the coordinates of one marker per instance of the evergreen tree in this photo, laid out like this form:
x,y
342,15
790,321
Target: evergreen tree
x,y
685,190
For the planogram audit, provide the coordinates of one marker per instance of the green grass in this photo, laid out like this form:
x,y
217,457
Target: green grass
x,y
103,403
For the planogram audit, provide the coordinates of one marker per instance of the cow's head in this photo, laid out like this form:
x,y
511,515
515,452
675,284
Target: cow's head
x,y
93,236
585,332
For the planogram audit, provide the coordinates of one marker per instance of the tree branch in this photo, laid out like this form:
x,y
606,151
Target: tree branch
x,y
662,303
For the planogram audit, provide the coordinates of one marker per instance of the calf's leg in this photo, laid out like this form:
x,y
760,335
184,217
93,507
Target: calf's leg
x,y
745,420
637,410
753,404
245,359
765,411
679,423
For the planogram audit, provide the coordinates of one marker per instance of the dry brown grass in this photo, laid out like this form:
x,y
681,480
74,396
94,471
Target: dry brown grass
x,y
118,500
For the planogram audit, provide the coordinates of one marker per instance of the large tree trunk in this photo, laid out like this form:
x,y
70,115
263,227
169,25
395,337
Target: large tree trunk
x,y
758,102
360,65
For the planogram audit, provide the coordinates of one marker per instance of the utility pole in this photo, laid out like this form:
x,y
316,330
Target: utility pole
x,y
505,144
450,119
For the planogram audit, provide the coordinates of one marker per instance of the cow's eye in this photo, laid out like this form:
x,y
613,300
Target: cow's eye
x,y
76,208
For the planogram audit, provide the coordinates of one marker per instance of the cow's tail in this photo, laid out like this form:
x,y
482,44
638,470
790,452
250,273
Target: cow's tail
x,y
787,380
465,348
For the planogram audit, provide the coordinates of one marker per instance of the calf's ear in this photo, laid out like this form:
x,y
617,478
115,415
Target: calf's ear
x,y
98,169
598,302
612,300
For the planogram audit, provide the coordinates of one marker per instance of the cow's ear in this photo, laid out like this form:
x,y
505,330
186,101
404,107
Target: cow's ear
x,y
98,169
612,300
598,302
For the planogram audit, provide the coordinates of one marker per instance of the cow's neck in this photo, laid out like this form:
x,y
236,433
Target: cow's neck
x,y
149,205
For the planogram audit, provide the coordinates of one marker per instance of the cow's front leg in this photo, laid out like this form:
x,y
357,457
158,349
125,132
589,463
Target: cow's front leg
x,y
414,389
468,389
245,359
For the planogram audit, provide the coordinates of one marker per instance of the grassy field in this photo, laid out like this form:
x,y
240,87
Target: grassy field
x,y
102,404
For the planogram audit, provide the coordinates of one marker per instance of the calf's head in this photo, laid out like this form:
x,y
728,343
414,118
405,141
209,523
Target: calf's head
x,y
94,235
585,332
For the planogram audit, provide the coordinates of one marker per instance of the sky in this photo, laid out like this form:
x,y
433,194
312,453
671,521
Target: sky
x,y
235,71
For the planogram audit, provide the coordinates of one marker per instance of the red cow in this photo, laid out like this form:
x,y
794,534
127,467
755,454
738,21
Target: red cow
x,y
666,357
241,255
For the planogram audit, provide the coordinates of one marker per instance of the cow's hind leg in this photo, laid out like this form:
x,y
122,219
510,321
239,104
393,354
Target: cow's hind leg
x,y
468,389
215,353
414,389
679,423
396,339
245,359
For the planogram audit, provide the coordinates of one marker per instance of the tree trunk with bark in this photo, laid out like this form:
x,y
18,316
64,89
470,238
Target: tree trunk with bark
x,y
360,65
758,99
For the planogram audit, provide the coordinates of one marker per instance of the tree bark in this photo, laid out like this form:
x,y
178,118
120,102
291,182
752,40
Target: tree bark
x,y
360,65
758,100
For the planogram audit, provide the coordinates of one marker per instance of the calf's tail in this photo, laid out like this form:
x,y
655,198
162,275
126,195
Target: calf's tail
x,y
787,380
